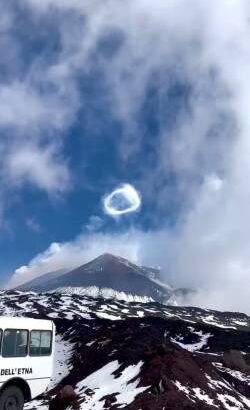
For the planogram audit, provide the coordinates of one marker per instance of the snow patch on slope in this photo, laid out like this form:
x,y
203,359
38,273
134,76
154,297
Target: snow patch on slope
x,y
105,293
230,403
202,396
63,354
193,347
62,367
103,383
36,405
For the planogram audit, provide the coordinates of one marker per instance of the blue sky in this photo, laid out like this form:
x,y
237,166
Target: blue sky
x,y
96,95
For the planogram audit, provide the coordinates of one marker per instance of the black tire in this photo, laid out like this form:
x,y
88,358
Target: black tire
x,y
11,398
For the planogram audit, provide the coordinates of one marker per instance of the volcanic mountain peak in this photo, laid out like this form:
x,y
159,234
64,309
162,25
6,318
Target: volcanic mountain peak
x,y
107,260
107,275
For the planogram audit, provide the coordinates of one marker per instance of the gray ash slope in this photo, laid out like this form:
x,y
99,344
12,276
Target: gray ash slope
x,y
110,273
41,283
135,356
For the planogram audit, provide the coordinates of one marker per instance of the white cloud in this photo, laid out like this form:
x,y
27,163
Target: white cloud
x,y
94,224
39,166
23,107
35,111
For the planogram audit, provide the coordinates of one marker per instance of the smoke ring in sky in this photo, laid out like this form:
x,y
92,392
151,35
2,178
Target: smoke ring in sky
x,y
122,200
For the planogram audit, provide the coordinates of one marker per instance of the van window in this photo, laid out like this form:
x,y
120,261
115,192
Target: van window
x,y
15,343
40,342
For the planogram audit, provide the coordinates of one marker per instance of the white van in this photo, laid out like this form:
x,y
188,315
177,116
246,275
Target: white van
x,y
26,359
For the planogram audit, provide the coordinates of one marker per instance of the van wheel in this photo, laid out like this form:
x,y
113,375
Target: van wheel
x,y
11,398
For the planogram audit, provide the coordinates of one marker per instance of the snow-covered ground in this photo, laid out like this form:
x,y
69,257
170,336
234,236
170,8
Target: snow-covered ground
x,y
63,354
139,351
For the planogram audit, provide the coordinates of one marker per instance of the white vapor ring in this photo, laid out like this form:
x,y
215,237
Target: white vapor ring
x,y
127,192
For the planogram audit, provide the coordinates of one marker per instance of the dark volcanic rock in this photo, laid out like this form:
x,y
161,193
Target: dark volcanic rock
x,y
142,356
235,360
66,397
168,369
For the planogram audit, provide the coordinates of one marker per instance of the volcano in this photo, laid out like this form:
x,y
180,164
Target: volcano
x,y
110,276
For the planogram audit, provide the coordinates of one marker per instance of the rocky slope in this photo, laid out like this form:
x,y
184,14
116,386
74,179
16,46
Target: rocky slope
x,y
141,356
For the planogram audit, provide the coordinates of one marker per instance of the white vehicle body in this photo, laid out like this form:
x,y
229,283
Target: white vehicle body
x,y
27,354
